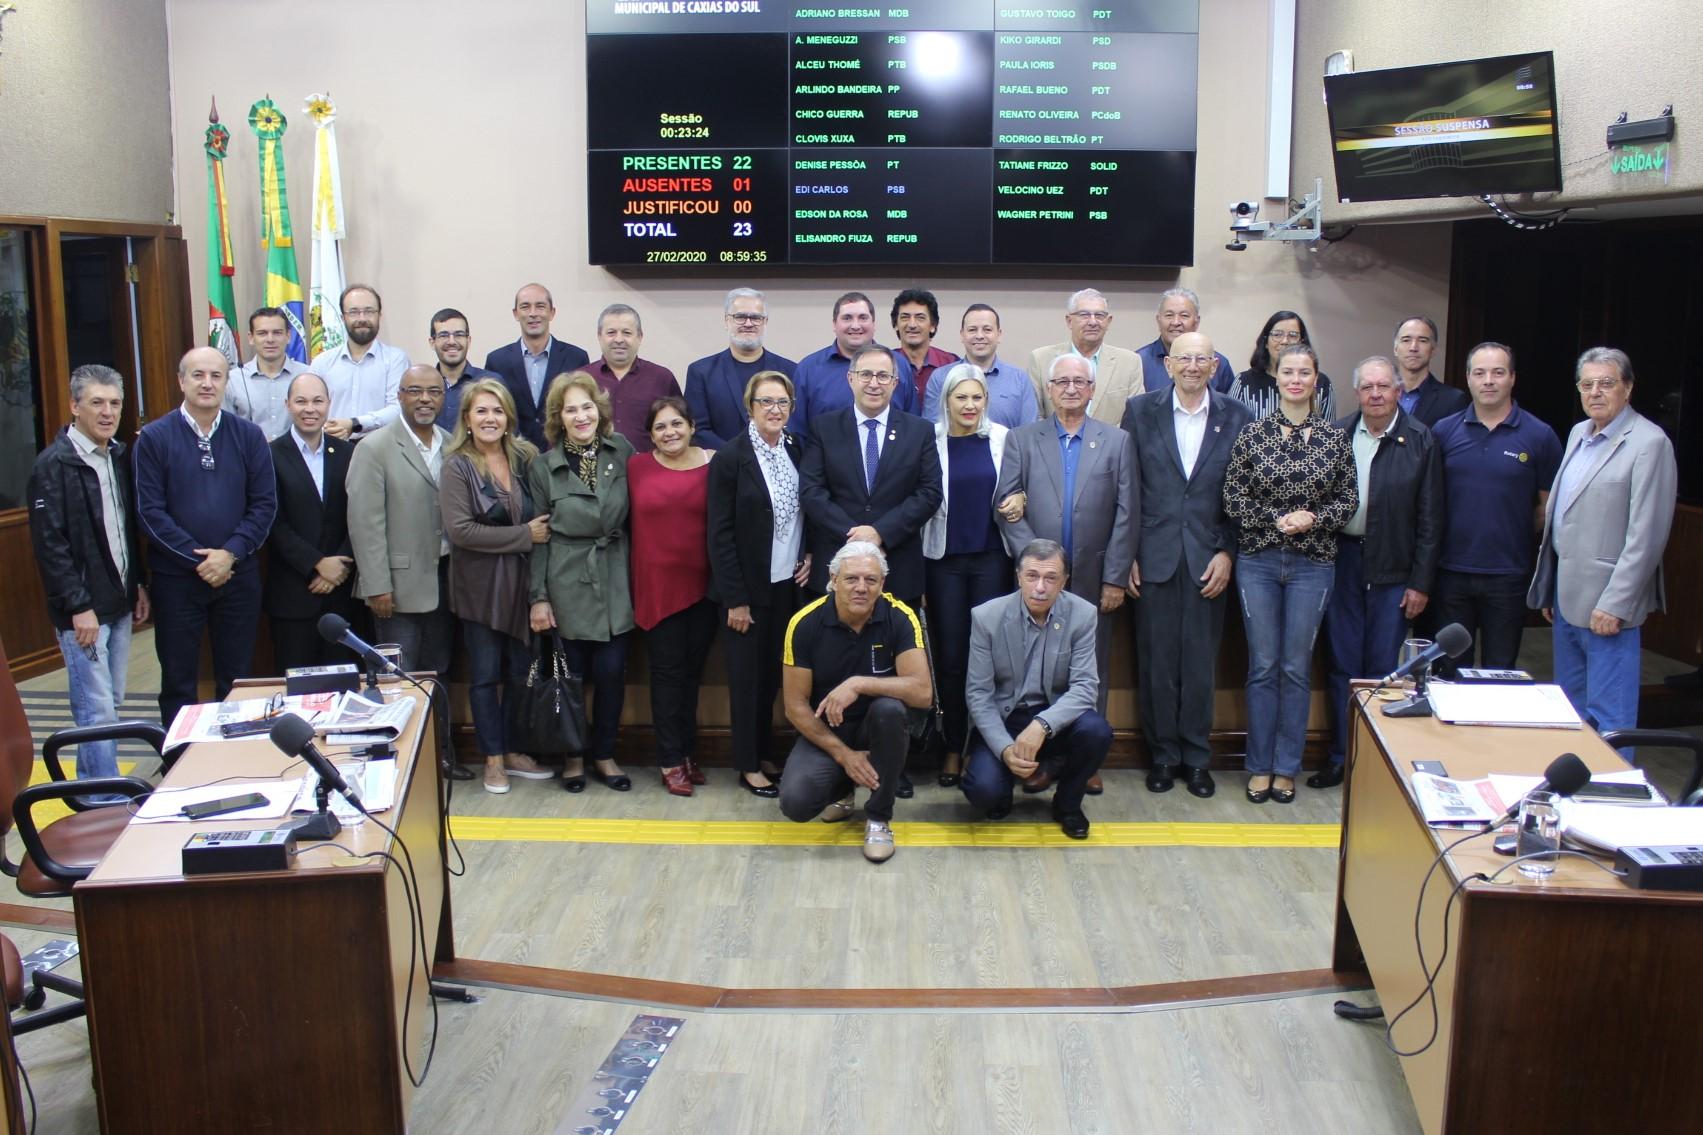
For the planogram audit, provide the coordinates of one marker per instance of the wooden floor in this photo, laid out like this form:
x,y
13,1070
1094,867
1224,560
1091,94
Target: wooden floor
x,y
754,917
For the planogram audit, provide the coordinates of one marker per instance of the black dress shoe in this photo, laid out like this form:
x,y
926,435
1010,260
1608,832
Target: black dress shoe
x,y
1283,795
575,783
1161,778
1328,777
904,791
1200,782
1000,811
455,771
1259,795
620,782
766,791
1074,824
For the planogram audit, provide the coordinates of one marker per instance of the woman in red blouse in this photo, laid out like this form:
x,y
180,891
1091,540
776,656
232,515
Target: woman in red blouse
x,y
669,487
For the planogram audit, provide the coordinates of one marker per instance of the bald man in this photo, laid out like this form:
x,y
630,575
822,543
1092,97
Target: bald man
x,y
206,496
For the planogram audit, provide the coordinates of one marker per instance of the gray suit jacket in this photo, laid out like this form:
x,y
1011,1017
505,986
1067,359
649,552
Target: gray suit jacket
x,y
395,526
1117,376
1107,505
1602,549
1069,670
1182,518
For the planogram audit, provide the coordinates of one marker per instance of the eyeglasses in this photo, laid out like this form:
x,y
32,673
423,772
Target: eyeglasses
x,y
881,376
1603,384
361,312
205,444
1091,316
1284,336
1068,383
742,317
447,335
1196,360
772,403
421,392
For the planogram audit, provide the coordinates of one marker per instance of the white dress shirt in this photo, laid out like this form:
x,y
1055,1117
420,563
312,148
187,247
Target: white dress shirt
x,y
367,390
1191,428
315,459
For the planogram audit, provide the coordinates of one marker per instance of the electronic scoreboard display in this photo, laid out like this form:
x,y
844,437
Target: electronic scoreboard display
x,y
738,132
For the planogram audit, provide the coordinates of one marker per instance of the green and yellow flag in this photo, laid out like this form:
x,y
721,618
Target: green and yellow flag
x,y
283,291
221,269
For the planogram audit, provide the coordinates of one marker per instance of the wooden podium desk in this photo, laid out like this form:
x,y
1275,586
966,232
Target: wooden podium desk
x,y
272,1000
1569,1005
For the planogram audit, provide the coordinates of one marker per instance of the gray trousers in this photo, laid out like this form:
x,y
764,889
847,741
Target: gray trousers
x,y
812,779
1176,649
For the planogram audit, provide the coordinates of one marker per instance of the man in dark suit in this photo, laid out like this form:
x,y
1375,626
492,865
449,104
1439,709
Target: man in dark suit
x,y
871,473
1183,436
310,563
715,385
1423,398
527,365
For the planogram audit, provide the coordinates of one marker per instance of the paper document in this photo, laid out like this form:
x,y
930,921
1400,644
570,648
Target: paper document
x,y
1535,707
361,722
377,790
201,723
1614,826
1449,803
165,805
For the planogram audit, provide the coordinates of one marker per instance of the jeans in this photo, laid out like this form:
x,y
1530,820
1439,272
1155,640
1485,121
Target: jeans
x,y
1599,673
1078,750
814,780
496,671
1364,627
1283,600
184,608
1491,607
604,666
956,585
97,687
679,645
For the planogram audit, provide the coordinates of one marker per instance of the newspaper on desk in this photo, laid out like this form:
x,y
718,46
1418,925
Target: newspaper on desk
x,y
201,724
360,721
1449,803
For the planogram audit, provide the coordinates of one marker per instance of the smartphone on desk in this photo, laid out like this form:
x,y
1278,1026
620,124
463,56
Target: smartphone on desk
x,y
220,807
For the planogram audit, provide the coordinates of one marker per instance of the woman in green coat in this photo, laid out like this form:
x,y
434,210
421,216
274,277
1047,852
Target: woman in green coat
x,y
579,575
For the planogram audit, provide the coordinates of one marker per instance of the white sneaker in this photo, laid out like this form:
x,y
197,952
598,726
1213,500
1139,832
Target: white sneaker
x,y
878,841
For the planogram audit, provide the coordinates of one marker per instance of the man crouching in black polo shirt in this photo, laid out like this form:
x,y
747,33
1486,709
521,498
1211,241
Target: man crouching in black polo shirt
x,y
853,660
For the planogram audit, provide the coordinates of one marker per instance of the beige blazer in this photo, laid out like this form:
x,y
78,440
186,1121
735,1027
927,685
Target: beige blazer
x,y
1117,376
395,526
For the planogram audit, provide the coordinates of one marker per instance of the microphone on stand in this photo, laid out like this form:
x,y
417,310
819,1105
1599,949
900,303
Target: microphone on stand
x,y
1453,641
335,628
294,738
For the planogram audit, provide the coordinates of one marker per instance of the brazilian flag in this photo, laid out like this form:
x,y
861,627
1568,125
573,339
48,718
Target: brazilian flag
x,y
283,290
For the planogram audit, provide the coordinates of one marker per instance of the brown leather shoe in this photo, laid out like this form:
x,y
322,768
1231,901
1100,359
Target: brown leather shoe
x,y
694,773
1039,781
1095,787
677,781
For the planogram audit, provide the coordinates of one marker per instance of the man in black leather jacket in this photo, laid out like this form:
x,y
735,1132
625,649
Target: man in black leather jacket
x,y
1386,558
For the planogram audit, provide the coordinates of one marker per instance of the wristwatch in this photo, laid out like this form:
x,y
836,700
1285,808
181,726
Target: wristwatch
x,y
1045,728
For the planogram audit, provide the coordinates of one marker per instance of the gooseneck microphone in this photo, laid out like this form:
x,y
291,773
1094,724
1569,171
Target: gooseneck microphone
x,y
335,628
1453,640
1565,775
294,738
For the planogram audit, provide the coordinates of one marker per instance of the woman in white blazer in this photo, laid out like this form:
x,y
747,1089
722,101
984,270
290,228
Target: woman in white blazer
x,y
967,564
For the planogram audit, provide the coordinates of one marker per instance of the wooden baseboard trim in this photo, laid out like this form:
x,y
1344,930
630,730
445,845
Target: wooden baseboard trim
x,y
38,918
715,999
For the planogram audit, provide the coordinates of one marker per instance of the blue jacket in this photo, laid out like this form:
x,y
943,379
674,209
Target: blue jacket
x,y
184,505
715,390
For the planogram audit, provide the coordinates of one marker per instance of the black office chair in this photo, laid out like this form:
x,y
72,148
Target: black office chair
x,y
1691,795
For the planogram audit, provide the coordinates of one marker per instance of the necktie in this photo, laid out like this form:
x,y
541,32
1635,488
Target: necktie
x,y
871,454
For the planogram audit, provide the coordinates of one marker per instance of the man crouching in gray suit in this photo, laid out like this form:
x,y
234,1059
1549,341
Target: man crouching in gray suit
x,y
1033,681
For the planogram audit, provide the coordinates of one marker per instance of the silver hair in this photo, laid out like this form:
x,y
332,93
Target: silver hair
x,y
857,549
1042,549
1052,367
742,294
1613,356
1179,294
1085,294
620,309
1368,361
93,374
961,373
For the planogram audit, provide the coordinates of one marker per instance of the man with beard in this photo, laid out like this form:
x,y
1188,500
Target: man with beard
x,y
715,385
450,341
364,373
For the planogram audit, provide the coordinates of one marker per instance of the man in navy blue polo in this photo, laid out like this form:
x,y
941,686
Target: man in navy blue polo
x,y
715,385
819,383
1498,465
1178,314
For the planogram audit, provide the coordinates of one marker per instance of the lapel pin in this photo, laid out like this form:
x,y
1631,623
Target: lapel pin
x,y
892,435
1217,429
1058,626
1401,439
1092,444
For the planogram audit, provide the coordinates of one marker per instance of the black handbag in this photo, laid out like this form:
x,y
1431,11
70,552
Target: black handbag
x,y
550,718
927,725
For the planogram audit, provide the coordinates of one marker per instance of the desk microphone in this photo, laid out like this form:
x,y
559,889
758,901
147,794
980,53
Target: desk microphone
x,y
294,738
1565,775
335,628
1453,640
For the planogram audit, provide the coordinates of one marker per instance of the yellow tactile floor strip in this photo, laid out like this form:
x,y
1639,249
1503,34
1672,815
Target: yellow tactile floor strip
x,y
1003,834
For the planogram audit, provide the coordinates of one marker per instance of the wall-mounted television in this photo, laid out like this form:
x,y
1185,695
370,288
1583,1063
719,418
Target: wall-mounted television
x,y
1480,126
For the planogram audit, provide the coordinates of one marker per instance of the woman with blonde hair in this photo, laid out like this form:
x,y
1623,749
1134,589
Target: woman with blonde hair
x,y
580,578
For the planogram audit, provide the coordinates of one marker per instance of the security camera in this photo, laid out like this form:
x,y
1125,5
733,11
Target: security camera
x,y
1243,214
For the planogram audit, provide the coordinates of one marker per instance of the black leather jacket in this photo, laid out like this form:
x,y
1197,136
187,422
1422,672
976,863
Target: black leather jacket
x,y
1404,513
68,530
